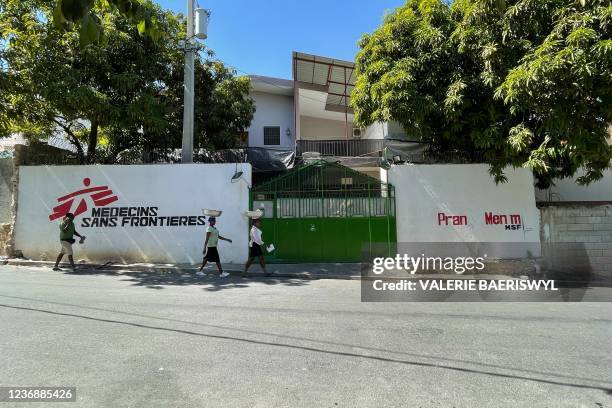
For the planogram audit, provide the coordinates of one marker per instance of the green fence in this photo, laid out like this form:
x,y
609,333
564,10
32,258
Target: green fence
x,y
326,212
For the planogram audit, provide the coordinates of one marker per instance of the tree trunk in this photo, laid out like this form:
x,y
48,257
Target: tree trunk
x,y
80,152
92,142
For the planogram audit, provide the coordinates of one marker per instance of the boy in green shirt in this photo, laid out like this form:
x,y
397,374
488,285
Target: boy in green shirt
x,y
67,232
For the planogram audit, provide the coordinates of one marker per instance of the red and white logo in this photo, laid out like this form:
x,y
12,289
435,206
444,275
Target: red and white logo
x,y
101,197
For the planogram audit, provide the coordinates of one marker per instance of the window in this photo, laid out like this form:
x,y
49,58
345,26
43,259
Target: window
x,y
272,135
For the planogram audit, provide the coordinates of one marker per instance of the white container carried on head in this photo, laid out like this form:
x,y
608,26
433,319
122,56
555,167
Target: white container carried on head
x,y
254,214
212,213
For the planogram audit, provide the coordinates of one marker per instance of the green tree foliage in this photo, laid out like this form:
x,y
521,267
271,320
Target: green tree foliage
x,y
122,93
4,84
524,83
87,15
4,81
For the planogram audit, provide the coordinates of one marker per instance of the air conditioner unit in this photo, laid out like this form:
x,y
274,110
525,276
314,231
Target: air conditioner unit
x,y
358,133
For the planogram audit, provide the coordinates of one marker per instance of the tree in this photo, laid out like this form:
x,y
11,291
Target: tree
x,y
524,83
4,84
222,111
87,15
124,92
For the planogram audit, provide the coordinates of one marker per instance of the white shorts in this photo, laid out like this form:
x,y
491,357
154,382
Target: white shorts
x,y
66,248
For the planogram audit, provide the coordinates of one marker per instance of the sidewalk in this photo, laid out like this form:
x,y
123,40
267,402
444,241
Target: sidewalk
x,y
301,271
341,271
295,271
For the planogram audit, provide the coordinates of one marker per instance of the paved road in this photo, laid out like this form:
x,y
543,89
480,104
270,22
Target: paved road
x,y
138,341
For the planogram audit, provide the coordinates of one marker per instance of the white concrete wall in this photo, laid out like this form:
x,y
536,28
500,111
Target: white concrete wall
x,y
578,239
383,175
382,130
272,110
568,190
176,190
324,129
9,142
376,130
423,192
394,130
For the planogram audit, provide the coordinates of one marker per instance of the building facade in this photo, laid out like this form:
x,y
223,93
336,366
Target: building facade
x,y
311,115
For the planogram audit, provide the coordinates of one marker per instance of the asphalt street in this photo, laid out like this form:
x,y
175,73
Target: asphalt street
x,y
145,340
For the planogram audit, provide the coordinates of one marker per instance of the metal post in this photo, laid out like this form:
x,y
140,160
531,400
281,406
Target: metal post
x,y
296,110
189,86
369,217
387,211
346,130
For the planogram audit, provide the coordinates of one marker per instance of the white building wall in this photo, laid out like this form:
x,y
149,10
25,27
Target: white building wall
x,y
272,110
174,190
568,190
394,130
324,129
376,130
382,130
423,192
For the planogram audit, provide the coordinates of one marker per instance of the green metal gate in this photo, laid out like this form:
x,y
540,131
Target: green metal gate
x,y
326,212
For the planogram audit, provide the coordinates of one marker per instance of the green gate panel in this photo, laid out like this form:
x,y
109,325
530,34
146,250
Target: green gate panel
x,y
334,239
359,236
328,239
326,212
287,240
311,246
383,236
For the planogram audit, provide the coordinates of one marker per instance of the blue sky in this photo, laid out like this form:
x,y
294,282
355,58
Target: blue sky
x,y
258,37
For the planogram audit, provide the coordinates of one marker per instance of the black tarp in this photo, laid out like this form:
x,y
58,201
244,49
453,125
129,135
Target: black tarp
x,y
399,151
261,159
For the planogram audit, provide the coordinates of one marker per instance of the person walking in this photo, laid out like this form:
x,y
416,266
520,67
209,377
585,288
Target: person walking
x,y
255,248
67,233
211,254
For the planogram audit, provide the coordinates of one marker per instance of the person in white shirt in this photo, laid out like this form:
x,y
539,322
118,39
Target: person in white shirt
x,y
211,254
255,248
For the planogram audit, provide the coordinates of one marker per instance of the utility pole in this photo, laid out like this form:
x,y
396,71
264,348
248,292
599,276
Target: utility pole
x,y
189,86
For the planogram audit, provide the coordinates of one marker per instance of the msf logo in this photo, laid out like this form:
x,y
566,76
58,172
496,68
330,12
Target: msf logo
x,y
101,197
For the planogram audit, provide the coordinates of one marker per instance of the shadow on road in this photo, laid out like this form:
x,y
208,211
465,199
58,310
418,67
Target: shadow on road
x,y
212,283
216,284
434,365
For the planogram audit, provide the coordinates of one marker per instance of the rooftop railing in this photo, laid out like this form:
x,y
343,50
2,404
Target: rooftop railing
x,y
342,148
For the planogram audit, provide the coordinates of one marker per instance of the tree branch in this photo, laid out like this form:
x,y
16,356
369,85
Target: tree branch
x,y
72,139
